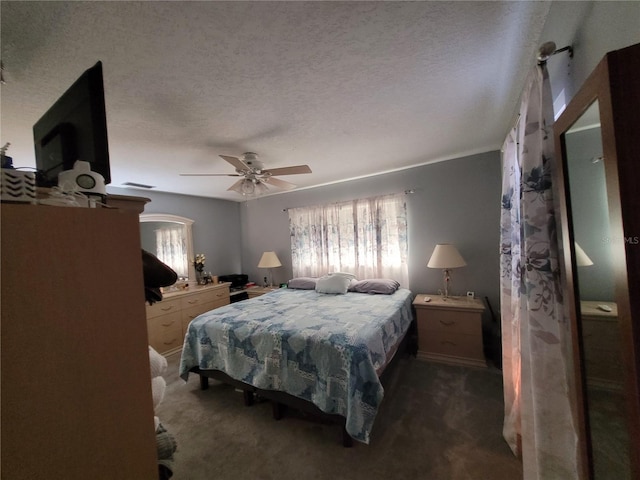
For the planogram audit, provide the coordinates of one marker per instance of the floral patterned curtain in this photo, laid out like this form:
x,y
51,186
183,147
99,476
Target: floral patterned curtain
x,y
366,237
539,421
172,250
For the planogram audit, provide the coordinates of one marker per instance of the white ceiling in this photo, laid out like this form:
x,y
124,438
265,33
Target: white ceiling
x,y
349,88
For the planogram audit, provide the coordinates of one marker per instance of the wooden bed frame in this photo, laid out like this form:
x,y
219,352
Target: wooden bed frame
x,y
408,346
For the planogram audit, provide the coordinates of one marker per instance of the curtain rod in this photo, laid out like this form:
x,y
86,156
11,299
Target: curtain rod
x,y
548,49
406,192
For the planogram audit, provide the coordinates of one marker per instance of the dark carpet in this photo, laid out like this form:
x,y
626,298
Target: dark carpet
x,y
437,422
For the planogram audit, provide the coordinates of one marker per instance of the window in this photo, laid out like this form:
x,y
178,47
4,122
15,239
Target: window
x,y
366,237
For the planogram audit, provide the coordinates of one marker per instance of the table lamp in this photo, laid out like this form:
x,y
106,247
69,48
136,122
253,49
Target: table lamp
x,y
446,257
269,260
582,259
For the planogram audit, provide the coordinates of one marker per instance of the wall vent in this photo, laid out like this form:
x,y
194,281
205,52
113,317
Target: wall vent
x,y
137,185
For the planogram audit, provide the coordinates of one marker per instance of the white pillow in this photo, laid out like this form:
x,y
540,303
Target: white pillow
x,y
350,276
333,284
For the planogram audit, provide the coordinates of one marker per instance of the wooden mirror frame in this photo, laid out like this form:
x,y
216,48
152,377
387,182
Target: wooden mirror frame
x,y
188,223
615,84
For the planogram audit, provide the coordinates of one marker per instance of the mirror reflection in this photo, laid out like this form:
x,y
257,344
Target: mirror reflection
x,y
601,341
168,237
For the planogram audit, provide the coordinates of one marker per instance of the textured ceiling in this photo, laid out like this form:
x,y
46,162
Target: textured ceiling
x,y
349,88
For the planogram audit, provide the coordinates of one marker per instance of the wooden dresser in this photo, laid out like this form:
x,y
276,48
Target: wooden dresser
x,y
76,381
450,330
167,320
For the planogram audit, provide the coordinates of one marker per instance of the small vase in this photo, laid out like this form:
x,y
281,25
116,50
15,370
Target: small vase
x,y
200,278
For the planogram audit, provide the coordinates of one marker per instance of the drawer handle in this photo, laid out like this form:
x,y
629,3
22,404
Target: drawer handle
x,y
192,302
171,342
220,294
166,308
447,342
448,323
168,324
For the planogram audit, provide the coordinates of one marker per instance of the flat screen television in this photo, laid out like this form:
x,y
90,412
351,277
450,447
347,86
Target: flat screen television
x,y
74,128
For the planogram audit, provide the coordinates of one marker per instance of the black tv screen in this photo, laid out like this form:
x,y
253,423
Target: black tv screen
x,y
74,128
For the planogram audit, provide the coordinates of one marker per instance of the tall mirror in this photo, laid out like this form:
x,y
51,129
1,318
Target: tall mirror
x,y
597,308
597,159
169,238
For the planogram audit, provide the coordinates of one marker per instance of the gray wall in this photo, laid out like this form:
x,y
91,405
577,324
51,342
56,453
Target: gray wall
x,y
216,227
457,201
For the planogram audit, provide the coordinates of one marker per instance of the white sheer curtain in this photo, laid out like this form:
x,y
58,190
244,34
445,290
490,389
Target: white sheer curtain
x,y
366,237
172,250
539,421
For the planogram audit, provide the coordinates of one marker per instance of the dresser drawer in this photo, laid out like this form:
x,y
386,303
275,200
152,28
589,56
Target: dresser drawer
x,y
450,321
163,307
204,297
452,344
168,320
165,331
190,313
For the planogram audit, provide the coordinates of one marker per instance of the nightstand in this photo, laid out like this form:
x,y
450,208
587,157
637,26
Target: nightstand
x,y
601,344
257,291
450,330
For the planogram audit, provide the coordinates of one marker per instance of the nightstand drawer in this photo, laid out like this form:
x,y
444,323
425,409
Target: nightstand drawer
x,y
455,345
604,365
601,334
449,321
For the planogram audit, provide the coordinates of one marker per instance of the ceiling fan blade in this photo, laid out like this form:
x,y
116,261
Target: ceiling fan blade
x,y
276,182
293,170
236,162
211,175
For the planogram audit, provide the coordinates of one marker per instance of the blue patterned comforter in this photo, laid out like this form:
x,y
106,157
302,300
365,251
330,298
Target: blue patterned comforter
x,y
322,348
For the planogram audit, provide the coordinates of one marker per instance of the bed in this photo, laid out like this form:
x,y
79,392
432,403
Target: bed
x,y
305,349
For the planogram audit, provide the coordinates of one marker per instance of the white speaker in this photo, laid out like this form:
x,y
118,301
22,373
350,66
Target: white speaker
x,y
82,179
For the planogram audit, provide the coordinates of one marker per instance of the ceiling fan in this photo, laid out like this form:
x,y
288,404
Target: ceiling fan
x,y
255,176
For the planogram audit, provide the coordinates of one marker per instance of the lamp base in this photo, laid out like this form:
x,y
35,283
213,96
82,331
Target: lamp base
x,y
447,283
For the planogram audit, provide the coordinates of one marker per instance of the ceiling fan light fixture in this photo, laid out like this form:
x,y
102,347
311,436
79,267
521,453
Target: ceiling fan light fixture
x,y
248,187
261,188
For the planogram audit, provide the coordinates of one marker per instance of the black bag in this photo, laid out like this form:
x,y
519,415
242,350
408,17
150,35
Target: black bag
x,y
156,274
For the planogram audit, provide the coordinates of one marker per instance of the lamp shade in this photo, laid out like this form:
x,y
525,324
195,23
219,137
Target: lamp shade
x,y
269,260
446,256
582,259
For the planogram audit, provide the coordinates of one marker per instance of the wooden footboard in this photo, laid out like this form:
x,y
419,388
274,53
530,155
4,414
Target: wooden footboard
x,y
408,346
